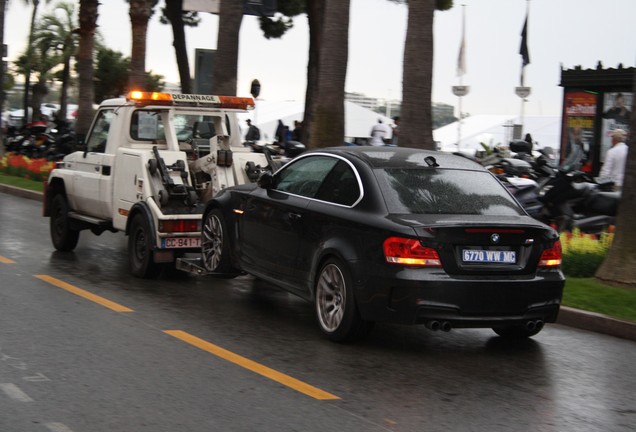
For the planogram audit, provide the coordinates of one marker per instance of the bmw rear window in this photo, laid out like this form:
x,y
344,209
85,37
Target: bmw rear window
x,y
445,191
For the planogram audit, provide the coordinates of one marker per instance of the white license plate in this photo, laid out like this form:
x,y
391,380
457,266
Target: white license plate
x,y
180,242
489,256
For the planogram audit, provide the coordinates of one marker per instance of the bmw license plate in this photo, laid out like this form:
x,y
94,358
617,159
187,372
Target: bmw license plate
x,y
180,242
488,256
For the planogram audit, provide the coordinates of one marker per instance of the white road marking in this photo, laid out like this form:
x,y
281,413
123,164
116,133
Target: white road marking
x,y
57,427
14,392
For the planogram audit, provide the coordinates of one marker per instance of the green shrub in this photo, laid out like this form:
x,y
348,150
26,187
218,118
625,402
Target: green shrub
x,y
584,253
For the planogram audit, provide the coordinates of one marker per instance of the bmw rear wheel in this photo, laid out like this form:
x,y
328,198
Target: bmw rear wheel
x,y
215,250
336,310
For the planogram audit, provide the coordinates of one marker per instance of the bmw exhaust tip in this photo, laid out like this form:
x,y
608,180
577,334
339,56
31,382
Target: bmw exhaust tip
x,y
433,325
446,326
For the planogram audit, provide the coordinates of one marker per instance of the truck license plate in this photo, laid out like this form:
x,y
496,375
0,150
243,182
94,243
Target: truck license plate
x,y
180,242
488,256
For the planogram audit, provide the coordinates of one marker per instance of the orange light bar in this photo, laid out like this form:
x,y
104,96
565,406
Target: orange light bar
x,y
156,98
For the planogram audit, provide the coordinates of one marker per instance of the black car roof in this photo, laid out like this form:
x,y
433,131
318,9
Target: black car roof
x,y
402,157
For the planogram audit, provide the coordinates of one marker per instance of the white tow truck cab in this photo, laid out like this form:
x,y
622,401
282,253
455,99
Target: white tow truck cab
x,y
150,162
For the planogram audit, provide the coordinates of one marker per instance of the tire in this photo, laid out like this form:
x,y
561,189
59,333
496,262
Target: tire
x,y
336,310
215,248
64,238
140,259
517,331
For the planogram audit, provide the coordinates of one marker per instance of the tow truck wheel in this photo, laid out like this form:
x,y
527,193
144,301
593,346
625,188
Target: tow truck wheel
x,y
215,250
63,237
140,259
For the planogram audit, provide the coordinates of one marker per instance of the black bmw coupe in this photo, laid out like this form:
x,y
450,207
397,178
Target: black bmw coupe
x,y
390,234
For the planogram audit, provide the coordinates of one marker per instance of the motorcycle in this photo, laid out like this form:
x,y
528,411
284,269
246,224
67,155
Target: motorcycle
x,y
572,199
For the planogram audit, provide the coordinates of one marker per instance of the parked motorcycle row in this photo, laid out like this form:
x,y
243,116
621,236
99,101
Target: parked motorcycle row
x,y
40,140
561,196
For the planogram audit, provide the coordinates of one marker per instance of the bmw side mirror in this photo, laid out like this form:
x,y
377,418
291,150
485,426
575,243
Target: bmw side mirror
x,y
265,180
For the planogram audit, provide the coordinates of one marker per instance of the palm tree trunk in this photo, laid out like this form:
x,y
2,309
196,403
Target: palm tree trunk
x,y
327,127
3,6
416,127
225,67
88,25
27,66
315,17
139,16
174,12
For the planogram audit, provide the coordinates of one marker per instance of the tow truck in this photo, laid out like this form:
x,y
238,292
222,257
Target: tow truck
x,y
148,164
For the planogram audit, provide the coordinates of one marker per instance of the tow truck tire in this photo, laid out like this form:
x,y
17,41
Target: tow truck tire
x,y
215,248
140,259
63,237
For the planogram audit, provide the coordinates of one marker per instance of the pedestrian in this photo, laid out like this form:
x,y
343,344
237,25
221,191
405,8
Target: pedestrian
x,y
380,134
297,133
615,159
396,130
253,133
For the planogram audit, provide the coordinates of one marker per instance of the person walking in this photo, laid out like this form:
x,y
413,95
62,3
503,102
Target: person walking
x,y
615,159
253,133
380,134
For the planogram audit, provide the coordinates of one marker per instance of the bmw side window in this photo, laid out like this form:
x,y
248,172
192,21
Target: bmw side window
x,y
341,186
96,141
304,176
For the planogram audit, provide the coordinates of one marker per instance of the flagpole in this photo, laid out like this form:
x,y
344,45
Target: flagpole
x,y
522,91
461,90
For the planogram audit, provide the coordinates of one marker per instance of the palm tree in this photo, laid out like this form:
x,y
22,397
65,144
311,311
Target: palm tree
x,y
87,29
174,14
43,59
61,32
3,5
619,267
27,65
225,68
140,13
328,113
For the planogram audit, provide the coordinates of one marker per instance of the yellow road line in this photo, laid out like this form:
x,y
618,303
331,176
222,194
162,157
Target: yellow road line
x,y
87,295
4,260
279,377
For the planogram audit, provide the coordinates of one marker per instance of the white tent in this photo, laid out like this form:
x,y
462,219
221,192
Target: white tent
x,y
495,130
358,120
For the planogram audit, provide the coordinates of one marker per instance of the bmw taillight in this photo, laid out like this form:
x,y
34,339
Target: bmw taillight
x,y
551,257
179,225
405,251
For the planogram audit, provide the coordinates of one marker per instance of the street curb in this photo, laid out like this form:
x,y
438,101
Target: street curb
x,y
597,323
21,192
570,317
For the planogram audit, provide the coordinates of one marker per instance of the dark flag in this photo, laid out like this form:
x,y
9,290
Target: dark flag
x,y
523,50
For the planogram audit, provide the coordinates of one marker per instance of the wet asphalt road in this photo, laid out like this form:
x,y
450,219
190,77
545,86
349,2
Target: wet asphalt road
x,y
201,354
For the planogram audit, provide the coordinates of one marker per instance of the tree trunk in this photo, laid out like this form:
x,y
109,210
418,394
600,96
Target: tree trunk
x,y
139,16
619,267
225,67
327,126
416,126
87,26
174,12
3,6
315,17
27,66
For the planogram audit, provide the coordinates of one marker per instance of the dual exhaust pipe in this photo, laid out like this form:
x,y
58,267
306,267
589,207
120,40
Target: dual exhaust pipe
x,y
447,326
439,325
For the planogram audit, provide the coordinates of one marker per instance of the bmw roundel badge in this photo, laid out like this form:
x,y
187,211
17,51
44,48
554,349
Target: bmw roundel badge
x,y
494,238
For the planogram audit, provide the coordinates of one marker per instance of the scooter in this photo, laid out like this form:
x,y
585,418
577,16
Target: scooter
x,y
572,199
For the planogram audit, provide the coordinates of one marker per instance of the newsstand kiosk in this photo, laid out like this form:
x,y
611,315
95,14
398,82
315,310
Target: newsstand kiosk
x,y
595,102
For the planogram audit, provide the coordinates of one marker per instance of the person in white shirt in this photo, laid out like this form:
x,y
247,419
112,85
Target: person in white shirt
x,y
615,159
380,134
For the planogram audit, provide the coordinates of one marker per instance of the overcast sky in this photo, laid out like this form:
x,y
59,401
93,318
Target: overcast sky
x,y
561,33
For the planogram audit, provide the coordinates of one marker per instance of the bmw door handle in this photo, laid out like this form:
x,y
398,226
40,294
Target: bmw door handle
x,y
294,216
